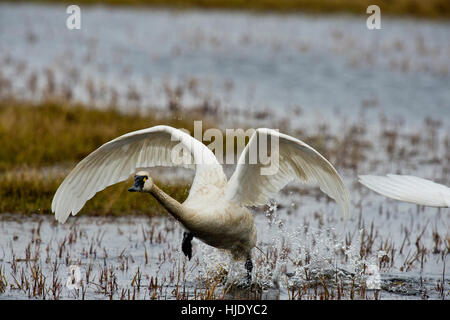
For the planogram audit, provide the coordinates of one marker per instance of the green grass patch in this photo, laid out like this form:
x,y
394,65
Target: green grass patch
x,y
39,144
32,192
52,133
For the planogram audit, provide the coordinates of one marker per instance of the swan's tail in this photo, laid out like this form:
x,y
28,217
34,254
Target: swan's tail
x,y
409,189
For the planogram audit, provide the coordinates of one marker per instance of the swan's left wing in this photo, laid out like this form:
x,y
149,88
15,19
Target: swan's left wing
x,y
117,159
251,186
409,189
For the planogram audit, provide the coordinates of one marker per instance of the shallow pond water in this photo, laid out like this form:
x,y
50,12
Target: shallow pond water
x,y
389,251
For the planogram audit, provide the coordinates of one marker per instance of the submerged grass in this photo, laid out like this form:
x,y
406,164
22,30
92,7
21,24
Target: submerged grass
x,y
418,8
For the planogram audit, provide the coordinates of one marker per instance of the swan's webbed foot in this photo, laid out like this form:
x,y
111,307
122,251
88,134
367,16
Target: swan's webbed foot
x,y
249,267
186,246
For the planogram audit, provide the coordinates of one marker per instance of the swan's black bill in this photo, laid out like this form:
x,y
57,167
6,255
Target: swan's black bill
x,y
134,189
138,184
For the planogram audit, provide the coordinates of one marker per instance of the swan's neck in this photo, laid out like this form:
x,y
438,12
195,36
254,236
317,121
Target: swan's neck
x,y
172,206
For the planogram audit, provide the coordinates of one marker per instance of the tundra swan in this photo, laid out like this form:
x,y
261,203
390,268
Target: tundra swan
x,y
216,209
409,189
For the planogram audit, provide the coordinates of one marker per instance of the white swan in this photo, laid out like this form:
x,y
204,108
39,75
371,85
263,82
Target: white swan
x,y
215,210
409,189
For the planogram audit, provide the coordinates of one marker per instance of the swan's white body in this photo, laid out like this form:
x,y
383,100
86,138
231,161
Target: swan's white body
x,y
215,210
221,223
409,189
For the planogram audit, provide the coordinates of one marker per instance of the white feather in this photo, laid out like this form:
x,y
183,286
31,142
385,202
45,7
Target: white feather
x,y
409,189
116,160
297,161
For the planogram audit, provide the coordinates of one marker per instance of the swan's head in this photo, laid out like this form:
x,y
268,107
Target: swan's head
x,y
142,182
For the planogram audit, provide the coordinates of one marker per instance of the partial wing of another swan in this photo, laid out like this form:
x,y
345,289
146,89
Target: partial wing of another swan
x,y
116,160
409,189
296,160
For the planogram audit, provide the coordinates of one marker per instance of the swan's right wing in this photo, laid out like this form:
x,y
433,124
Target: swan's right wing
x,y
294,160
409,189
116,160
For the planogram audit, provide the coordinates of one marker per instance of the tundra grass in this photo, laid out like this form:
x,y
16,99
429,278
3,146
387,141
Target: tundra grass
x,y
417,8
32,192
40,143
52,133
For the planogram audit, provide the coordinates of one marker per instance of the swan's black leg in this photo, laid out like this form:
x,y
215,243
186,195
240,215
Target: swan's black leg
x,y
186,246
249,267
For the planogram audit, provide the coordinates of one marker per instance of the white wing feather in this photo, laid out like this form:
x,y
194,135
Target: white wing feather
x,y
409,189
297,160
116,160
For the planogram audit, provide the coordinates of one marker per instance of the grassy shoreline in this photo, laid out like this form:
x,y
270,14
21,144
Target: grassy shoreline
x,y
432,9
32,192
40,143
57,133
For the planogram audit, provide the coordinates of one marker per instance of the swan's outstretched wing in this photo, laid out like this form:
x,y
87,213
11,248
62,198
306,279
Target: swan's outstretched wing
x,y
249,186
409,189
116,160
